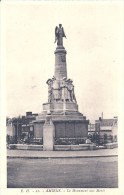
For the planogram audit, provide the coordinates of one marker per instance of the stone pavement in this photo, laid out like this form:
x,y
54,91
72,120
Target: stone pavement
x,y
61,154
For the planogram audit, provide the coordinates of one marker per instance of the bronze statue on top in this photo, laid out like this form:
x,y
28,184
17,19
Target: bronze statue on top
x,y
59,34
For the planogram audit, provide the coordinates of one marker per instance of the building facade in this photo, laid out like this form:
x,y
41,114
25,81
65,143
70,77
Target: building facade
x,y
19,127
107,127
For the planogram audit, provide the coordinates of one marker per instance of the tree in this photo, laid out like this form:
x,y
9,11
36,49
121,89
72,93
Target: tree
x,y
105,138
96,138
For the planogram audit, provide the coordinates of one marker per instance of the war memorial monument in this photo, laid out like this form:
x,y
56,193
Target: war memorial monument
x,y
60,117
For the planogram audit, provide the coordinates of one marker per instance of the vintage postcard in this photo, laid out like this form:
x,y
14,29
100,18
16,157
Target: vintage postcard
x,y
61,97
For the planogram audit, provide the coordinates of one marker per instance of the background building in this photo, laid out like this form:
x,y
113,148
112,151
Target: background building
x,y
107,128
19,127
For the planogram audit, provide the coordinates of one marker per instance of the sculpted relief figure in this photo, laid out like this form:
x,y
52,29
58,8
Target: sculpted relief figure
x,y
56,90
49,82
73,95
71,90
59,34
53,90
61,92
65,93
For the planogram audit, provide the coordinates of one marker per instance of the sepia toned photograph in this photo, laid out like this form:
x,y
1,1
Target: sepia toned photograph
x,y
62,72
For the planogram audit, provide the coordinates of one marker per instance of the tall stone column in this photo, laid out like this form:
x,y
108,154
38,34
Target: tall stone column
x,y
60,64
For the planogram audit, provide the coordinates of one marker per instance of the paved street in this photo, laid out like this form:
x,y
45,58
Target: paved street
x,y
89,172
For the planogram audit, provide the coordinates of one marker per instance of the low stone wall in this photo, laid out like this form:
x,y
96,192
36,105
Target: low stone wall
x,y
111,145
25,147
79,147
62,147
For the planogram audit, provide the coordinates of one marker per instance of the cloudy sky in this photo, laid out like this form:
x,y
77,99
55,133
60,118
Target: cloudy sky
x,y
94,54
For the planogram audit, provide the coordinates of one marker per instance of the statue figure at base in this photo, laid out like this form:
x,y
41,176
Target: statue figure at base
x,y
59,34
50,93
71,90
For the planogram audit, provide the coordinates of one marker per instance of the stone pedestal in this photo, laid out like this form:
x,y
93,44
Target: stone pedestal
x,y
48,134
66,124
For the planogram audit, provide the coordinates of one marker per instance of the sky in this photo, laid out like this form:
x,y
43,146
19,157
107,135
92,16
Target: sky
x,y
94,54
